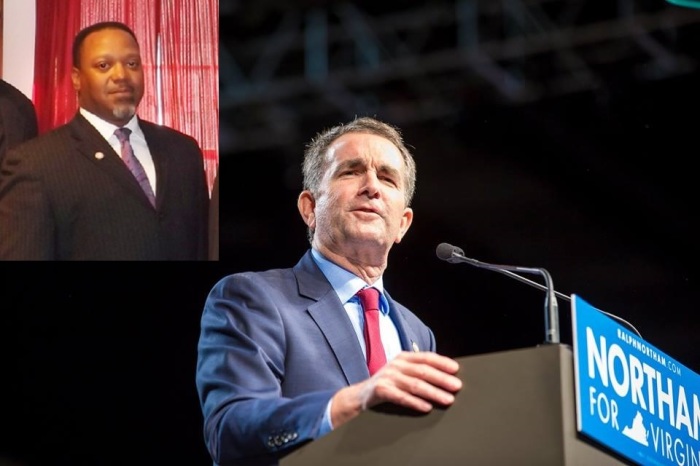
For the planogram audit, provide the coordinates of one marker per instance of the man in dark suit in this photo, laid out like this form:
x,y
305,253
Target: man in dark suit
x,y
282,356
70,194
18,121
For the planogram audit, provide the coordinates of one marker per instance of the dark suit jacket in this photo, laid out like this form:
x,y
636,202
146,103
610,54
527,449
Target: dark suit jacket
x,y
67,195
274,348
18,121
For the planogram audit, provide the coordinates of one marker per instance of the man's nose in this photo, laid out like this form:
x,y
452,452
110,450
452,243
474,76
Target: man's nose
x,y
118,71
371,183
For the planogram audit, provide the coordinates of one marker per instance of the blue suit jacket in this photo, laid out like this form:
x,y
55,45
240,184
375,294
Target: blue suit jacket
x,y
274,348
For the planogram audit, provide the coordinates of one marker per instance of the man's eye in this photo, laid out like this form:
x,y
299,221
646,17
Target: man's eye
x,y
102,66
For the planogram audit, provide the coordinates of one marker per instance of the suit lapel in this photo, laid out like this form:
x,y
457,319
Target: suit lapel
x,y
409,339
91,145
330,316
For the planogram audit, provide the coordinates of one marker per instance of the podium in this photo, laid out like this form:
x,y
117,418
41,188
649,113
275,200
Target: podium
x,y
516,407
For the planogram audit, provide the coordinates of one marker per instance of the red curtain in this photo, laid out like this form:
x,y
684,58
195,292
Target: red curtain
x,y
190,66
179,49
53,95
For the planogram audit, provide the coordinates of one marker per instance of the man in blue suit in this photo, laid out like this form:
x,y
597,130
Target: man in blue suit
x,y
281,355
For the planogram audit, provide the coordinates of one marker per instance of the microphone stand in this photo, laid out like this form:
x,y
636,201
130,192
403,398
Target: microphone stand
x,y
551,310
454,255
551,307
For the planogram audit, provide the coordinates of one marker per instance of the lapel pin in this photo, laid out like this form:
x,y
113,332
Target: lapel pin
x,y
415,347
99,155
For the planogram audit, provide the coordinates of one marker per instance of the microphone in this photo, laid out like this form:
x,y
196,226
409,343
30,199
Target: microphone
x,y
454,255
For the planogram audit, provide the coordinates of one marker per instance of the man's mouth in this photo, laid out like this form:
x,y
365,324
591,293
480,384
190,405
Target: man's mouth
x,y
366,210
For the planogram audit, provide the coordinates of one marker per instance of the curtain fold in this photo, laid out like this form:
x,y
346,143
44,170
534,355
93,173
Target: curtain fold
x,y
189,33
179,48
53,95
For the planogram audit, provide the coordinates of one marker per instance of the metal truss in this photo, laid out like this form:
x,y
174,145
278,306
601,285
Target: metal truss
x,y
283,66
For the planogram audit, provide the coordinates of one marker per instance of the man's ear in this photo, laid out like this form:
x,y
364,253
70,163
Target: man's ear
x,y
307,206
75,77
406,221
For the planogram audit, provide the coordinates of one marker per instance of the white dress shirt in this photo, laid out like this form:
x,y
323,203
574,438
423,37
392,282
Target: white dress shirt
x,y
137,139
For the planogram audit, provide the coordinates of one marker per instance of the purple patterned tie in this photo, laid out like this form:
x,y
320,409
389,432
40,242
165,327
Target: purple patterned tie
x,y
133,163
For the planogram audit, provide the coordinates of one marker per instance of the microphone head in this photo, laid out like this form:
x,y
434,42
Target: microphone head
x,y
447,252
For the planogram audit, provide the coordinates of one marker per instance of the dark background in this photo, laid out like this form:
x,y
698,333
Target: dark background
x,y
547,134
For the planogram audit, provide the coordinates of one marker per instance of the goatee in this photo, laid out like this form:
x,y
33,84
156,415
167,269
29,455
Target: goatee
x,y
124,112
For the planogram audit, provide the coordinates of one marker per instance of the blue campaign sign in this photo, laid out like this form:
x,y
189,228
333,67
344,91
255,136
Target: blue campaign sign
x,y
630,396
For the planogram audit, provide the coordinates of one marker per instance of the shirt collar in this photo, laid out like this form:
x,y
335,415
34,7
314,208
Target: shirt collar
x,y
345,284
106,129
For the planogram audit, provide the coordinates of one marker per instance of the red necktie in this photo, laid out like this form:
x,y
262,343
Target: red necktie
x,y
376,358
133,163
